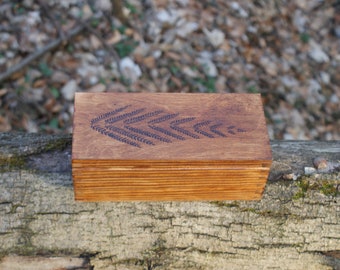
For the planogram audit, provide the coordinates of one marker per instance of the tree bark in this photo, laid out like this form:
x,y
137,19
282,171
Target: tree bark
x,y
294,226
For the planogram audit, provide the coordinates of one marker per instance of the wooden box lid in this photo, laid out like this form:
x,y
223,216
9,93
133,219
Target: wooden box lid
x,y
173,127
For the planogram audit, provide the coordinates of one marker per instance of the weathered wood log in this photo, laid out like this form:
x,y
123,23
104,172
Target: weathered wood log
x,y
294,226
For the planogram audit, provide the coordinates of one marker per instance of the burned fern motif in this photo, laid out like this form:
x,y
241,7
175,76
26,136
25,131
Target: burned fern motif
x,y
142,117
167,132
163,118
148,134
129,135
198,126
139,127
175,126
123,116
108,114
115,136
214,129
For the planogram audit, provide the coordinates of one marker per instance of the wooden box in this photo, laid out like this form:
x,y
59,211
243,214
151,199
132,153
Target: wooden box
x,y
169,146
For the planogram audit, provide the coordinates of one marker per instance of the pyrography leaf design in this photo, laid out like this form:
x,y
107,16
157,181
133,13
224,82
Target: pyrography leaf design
x,y
140,127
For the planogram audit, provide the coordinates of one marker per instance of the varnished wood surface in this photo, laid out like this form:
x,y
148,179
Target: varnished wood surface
x,y
157,147
234,122
171,189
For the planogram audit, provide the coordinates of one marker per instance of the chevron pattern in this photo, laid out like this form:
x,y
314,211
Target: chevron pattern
x,y
140,127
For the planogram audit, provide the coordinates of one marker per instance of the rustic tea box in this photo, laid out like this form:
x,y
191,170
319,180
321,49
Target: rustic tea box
x,y
169,146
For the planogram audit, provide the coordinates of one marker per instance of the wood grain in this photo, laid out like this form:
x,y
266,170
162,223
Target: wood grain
x,y
183,146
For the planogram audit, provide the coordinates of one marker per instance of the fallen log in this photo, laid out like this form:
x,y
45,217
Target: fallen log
x,y
294,226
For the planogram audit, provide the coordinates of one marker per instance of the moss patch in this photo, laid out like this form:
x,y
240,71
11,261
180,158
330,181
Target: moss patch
x,y
326,187
225,204
303,186
329,189
9,164
59,144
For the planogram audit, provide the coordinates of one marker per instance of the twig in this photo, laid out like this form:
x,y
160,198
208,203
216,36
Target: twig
x,y
11,28
52,19
111,50
50,46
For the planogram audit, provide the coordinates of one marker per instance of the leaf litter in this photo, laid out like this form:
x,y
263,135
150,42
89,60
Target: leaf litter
x,y
287,51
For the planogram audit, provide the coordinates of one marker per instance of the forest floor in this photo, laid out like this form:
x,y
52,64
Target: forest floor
x,y
289,51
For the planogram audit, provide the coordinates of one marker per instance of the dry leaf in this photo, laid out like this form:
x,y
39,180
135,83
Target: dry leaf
x,y
4,124
98,88
115,38
216,37
3,92
149,62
